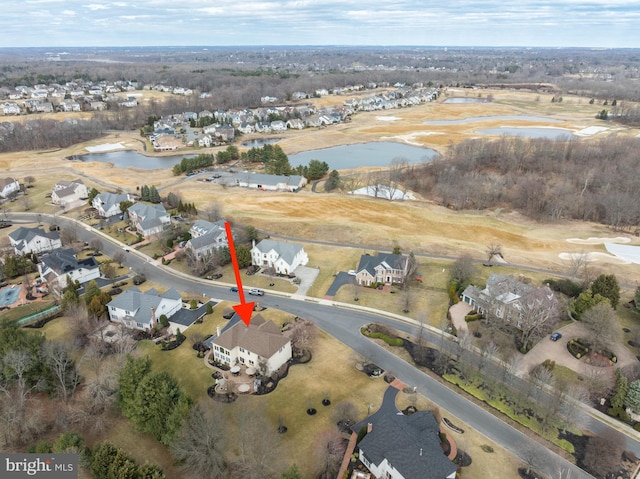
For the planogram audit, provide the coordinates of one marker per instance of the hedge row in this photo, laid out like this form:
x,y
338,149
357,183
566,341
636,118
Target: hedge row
x,y
387,339
472,317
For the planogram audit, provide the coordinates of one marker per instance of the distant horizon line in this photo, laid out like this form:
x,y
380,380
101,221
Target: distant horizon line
x,y
50,47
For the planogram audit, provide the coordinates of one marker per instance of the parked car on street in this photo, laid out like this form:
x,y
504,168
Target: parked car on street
x,y
233,289
555,336
256,292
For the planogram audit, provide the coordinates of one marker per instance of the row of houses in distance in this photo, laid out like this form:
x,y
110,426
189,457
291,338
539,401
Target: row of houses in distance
x,y
221,125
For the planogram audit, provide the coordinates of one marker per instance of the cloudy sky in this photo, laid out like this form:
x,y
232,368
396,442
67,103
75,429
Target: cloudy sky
x,y
582,23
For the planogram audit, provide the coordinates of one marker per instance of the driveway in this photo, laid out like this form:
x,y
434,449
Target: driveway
x,y
557,351
307,277
458,311
342,278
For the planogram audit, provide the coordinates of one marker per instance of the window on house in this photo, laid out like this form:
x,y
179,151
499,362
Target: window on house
x,y
242,350
250,362
242,360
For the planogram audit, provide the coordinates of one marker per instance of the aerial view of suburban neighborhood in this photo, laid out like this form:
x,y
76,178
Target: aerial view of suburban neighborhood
x,y
299,262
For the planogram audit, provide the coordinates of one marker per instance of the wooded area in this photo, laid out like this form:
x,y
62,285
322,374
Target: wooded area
x,y
544,179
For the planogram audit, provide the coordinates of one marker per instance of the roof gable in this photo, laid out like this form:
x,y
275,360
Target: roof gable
x,y
261,337
286,251
410,443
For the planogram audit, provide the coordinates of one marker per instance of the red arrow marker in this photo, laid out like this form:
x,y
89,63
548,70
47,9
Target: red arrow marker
x,y
244,309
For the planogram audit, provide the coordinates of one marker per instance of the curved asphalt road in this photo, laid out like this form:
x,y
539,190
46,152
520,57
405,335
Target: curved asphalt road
x,y
344,324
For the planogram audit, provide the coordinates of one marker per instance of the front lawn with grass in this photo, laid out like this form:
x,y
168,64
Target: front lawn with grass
x,y
332,370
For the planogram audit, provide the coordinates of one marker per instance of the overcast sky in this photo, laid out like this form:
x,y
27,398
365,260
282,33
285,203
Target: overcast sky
x,y
582,23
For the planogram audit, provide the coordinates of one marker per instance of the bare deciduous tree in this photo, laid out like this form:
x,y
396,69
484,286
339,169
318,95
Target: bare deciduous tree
x,y
19,419
328,451
258,443
538,314
463,269
604,452
57,357
119,257
200,444
601,323
302,334
345,414
213,211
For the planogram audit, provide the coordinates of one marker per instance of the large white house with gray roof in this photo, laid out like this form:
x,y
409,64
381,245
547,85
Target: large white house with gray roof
x,y
206,237
108,204
283,257
137,310
148,219
260,343
404,447
34,240
66,193
55,267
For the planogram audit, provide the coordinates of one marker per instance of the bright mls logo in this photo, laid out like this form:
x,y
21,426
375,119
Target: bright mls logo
x,y
50,466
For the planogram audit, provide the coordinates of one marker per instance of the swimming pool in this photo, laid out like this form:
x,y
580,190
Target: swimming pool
x,y
9,295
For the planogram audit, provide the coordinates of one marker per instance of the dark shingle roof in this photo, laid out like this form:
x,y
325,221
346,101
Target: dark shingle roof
x,y
411,444
388,260
63,261
261,337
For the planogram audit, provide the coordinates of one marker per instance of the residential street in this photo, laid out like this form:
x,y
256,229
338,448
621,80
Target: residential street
x,y
344,324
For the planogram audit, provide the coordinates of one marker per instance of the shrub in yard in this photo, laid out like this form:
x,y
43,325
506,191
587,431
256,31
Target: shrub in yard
x,y
472,317
387,339
576,348
548,365
620,413
453,292
193,304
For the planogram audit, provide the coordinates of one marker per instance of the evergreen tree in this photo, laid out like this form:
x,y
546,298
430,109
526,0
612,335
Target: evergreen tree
x,y
159,406
154,195
585,301
92,194
633,396
316,170
69,442
144,195
133,372
243,255
151,471
292,473
125,205
70,294
622,388
333,181
91,290
606,285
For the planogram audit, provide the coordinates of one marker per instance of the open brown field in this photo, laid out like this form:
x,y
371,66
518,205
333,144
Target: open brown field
x,y
374,224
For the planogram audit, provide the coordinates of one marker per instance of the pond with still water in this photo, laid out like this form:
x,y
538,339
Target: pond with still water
x,y
364,154
133,159
339,157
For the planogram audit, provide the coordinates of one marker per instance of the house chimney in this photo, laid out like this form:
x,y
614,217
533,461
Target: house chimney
x,y
153,317
369,427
